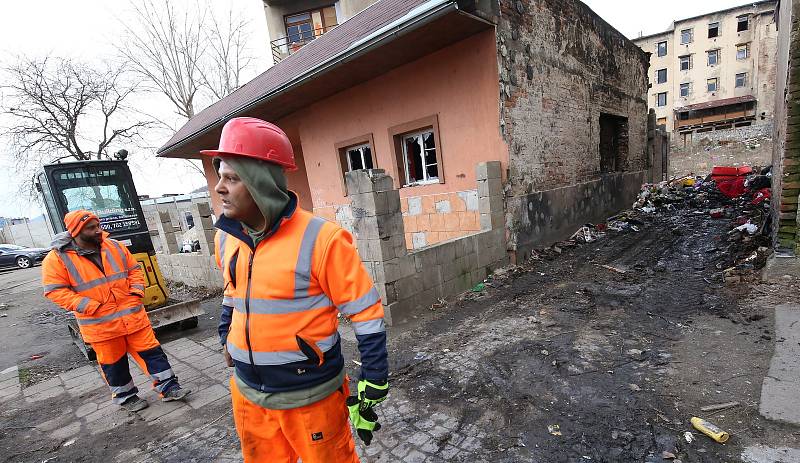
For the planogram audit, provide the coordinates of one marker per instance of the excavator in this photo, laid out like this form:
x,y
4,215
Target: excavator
x,y
106,188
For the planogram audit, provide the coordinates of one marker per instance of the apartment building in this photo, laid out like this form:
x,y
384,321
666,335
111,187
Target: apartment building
x,y
294,23
715,71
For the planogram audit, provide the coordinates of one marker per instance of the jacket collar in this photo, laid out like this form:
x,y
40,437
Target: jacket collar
x,y
64,242
235,228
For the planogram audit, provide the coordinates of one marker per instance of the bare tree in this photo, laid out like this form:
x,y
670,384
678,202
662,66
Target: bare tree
x,y
180,54
60,108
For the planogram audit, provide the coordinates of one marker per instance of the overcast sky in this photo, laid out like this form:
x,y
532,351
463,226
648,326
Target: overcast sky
x,y
86,29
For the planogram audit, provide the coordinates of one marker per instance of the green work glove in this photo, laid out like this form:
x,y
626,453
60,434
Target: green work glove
x,y
365,421
371,393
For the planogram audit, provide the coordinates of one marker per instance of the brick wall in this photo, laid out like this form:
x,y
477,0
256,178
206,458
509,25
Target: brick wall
x,y
431,219
561,66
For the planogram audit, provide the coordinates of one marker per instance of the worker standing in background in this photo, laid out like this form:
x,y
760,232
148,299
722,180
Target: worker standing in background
x,y
97,279
287,273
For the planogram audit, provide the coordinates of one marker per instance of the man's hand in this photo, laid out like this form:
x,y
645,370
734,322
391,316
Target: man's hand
x,y
364,420
372,392
227,356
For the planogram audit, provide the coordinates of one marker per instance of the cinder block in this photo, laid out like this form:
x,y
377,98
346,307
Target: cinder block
x,y
446,253
383,183
369,204
432,277
489,169
490,187
419,240
490,204
387,292
393,205
398,268
443,207
414,206
408,287
491,221
351,183
425,259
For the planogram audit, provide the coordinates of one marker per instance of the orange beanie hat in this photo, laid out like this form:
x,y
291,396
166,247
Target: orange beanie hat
x,y
76,220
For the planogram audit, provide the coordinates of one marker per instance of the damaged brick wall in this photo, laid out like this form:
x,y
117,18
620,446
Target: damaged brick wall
x,y
561,66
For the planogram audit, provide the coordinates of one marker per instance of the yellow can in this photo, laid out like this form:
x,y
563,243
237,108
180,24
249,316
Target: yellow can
x,y
710,429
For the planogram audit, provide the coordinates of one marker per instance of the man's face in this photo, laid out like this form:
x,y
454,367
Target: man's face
x,y
237,203
91,232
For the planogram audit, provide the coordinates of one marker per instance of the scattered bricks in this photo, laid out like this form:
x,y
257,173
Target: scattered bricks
x,y
443,207
414,205
207,395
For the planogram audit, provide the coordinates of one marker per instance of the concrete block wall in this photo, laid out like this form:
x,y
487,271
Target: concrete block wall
x,y
193,268
410,280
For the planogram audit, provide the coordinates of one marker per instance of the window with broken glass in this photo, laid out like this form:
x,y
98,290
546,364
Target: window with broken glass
x,y
742,23
419,158
713,30
359,157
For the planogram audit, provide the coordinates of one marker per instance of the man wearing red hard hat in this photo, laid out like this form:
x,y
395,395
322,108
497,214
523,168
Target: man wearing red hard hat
x,y
97,279
287,275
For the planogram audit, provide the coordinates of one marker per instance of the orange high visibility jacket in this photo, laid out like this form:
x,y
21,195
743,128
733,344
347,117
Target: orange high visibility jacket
x,y
282,299
108,303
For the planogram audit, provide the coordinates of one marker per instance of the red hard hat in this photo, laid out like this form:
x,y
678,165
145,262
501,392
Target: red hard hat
x,y
254,138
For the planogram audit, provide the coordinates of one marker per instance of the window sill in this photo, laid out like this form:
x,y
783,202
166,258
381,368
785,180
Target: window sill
x,y
423,183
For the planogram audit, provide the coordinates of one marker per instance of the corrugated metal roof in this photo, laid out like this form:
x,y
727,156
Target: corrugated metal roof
x,y
312,56
717,103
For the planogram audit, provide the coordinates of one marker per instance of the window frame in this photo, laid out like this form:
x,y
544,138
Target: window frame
x,y
688,62
687,86
398,132
739,23
746,47
717,55
658,99
716,23
716,84
341,152
658,48
658,76
736,80
691,36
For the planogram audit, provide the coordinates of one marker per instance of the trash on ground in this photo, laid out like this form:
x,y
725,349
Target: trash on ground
x,y
710,429
688,437
554,429
717,407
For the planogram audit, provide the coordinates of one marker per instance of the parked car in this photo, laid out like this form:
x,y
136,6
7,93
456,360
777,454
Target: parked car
x,y
12,255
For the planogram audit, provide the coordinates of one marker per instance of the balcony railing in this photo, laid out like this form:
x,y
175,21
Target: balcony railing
x,y
285,46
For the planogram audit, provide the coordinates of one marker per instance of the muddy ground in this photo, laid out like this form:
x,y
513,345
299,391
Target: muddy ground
x,y
618,343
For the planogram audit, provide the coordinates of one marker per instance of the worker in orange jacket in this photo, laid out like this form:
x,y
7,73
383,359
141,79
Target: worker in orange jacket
x,y
99,281
288,275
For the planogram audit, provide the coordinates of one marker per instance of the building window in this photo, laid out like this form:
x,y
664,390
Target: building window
x,y
742,51
741,79
687,36
712,84
356,154
661,76
417,147
742,23
613,142
685,89
686,62
305,26
661,99
713,30
661,48
713,57
662,121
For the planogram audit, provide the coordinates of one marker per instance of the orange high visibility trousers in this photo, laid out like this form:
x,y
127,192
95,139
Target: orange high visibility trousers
x,y
317,433
144,348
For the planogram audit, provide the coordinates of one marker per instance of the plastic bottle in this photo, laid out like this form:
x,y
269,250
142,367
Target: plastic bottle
x,y
710,429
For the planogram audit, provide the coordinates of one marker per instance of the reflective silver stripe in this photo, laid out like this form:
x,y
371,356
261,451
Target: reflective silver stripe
x,y
364,302
135,267
110,259
120,252
139,287
369,327
85,301
302,271
221,250
280,306
73,271
49,288
279,358
121,389
163,375
99,281
109,317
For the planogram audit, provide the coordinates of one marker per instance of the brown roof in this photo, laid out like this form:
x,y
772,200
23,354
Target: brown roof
x,y
717,103
294,67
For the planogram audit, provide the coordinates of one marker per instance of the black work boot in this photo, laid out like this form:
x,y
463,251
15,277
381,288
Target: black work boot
x,y
175,393
134,403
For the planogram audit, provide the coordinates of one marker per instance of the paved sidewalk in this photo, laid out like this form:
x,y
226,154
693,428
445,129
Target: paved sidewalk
x,y
779,389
